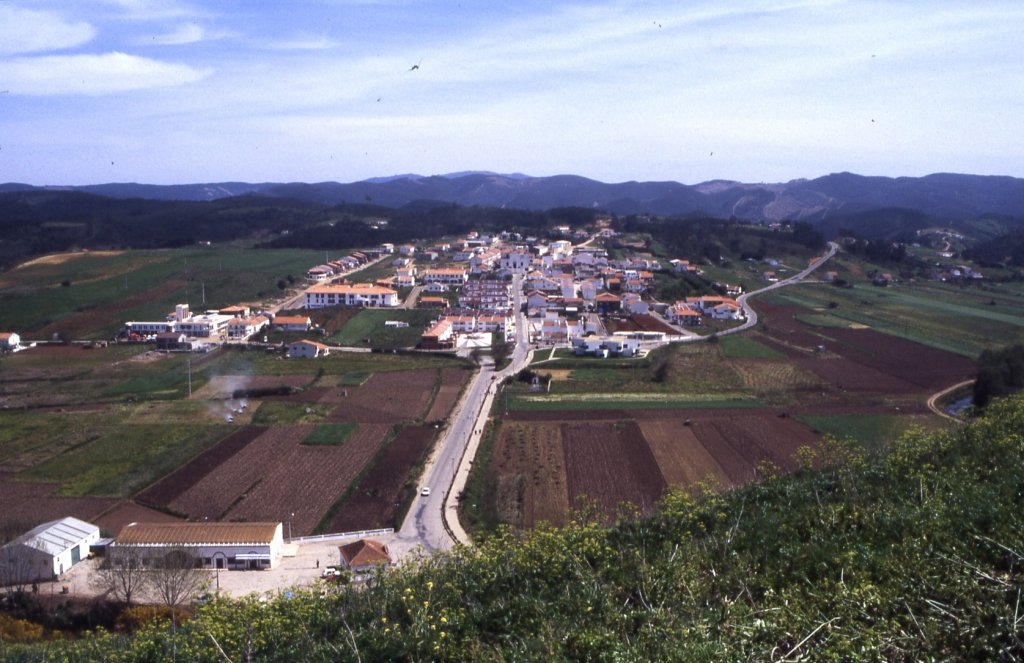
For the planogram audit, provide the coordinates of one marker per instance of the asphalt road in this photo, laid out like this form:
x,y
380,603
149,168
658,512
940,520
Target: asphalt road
x,y
751,314
432,521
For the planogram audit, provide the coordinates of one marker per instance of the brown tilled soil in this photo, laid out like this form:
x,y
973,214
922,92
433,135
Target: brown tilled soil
x,y
372,504
610,464
167,489
638,323
274,476
683,460
389,397
127,512
528,474
31,503
452,381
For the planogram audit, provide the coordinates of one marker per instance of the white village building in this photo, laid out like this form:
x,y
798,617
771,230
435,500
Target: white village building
x,y
47,551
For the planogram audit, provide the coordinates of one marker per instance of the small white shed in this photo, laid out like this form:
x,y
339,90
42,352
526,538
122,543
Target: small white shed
x,y
48,550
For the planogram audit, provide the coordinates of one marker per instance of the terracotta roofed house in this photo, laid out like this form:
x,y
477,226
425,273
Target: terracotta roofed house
x,y
364,555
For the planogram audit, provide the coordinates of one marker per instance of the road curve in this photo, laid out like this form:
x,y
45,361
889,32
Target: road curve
x,y
933,401
751,314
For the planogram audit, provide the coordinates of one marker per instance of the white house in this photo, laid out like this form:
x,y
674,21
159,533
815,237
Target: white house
x,y
47,551
634,304
204,326
727,311
306,349
605,346
358,294
216,545
242,328
516,260
446,275
439,335
9,341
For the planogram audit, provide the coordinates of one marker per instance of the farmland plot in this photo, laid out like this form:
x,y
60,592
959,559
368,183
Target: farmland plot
x,y
681,457
389,397
372,504
611,464
164,491
30,503
275,475
452,381
528,476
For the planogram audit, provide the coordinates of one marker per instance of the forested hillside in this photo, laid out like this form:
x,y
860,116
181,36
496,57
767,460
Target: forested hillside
x,y
915,554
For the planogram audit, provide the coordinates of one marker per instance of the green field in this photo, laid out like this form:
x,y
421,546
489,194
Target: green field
x,y
119,460
963,320
367,328
871,431
331,434
281,413
104,291
736,346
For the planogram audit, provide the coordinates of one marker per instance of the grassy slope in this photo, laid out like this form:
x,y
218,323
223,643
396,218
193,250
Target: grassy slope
x,y
31,295
960,320
909,555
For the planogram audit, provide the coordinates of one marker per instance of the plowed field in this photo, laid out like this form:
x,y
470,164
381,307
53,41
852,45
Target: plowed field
x,y
28,504
528,474
631,459
372,505
610,464
681,457
452,381
274,476
385,398
163,492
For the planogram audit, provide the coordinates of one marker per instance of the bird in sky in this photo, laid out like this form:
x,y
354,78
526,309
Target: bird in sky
x,y
415,66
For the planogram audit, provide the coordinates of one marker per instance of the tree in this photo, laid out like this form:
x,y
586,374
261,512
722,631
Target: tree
x,y
123,575
175,577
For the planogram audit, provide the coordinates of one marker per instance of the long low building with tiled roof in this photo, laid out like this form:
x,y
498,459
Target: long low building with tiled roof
x,y
357,294
215,545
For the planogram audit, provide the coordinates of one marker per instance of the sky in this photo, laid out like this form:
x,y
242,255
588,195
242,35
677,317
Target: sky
x,y
176,91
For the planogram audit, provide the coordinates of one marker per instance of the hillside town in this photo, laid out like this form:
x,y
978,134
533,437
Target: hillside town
x,y
573,296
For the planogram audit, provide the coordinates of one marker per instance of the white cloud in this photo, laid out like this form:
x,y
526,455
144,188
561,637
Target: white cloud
x,y
93,74
305,42
189,33
30,31
152,10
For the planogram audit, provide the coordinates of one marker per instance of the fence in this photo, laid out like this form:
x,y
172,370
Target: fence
x,y
341,535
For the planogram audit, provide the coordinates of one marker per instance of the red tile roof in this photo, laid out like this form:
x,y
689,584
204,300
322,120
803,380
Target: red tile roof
x,y
365,551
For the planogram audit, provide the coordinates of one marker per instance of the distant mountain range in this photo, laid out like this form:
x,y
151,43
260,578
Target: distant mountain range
x,y
829,199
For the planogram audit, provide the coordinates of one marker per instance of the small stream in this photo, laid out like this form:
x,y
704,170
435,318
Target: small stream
x,y
957,407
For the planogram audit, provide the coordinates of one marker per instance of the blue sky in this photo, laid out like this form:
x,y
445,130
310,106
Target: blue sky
x,y
169,91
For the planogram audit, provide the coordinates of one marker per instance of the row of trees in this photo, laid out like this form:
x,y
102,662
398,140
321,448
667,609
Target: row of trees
x,y
172,579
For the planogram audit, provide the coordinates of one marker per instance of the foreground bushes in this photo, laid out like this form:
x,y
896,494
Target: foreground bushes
x,y
915,554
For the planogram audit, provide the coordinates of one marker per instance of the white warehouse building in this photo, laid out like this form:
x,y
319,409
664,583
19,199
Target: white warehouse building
x,y
47,551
